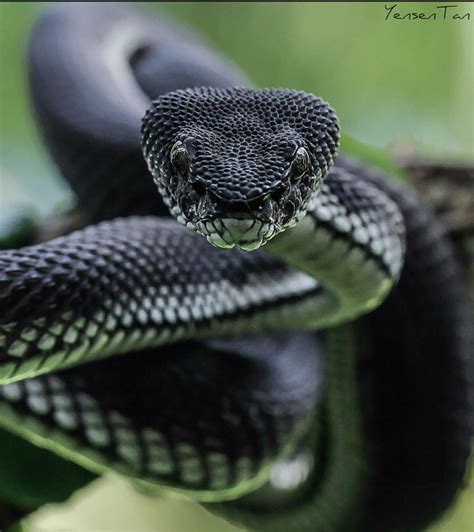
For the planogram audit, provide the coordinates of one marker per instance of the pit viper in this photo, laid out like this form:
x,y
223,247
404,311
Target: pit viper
x,y
248,317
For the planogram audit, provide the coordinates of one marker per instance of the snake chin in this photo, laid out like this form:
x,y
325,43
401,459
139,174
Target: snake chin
x,y
246,234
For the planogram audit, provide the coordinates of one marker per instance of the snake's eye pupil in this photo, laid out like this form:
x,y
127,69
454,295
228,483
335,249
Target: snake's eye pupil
x,y
179,158
300,163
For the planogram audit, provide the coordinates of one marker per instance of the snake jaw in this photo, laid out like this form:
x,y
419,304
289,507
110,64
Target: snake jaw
x,y
247,234
245,231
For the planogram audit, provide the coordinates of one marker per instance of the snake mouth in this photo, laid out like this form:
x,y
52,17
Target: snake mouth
x,y
245,233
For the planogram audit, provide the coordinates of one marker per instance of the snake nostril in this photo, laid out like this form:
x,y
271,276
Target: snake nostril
x,y
277,193
199,187
258,204
289,210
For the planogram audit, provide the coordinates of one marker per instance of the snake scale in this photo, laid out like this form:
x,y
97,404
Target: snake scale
x,y
317,376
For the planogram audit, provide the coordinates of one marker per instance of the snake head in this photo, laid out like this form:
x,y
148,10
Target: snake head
x,y
239,165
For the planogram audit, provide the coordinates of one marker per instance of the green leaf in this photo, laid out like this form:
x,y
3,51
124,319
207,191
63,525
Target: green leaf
x,y
370,154
18,226
31,476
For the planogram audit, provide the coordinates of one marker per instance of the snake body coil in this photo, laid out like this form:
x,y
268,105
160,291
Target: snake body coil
x,y
224,390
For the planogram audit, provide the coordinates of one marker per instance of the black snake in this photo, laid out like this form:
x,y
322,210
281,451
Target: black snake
x,y
225,391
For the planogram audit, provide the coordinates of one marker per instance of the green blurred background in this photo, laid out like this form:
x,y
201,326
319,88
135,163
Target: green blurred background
x,y
396,85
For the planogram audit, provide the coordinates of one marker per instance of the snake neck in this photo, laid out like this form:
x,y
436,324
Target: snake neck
x,y
352,241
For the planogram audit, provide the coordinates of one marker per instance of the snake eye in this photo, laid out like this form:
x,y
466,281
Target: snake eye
x,y
179,158
300,163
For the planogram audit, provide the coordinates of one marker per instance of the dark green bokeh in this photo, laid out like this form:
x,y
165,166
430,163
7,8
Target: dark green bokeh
x,y
31,477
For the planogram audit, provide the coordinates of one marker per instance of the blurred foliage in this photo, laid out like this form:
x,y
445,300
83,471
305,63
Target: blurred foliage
x,y
31,477
393,84
111,504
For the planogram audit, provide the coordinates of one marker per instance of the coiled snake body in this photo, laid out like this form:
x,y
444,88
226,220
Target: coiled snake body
x,y
224,390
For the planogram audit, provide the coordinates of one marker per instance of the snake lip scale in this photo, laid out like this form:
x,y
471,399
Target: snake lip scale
x,y
279,329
